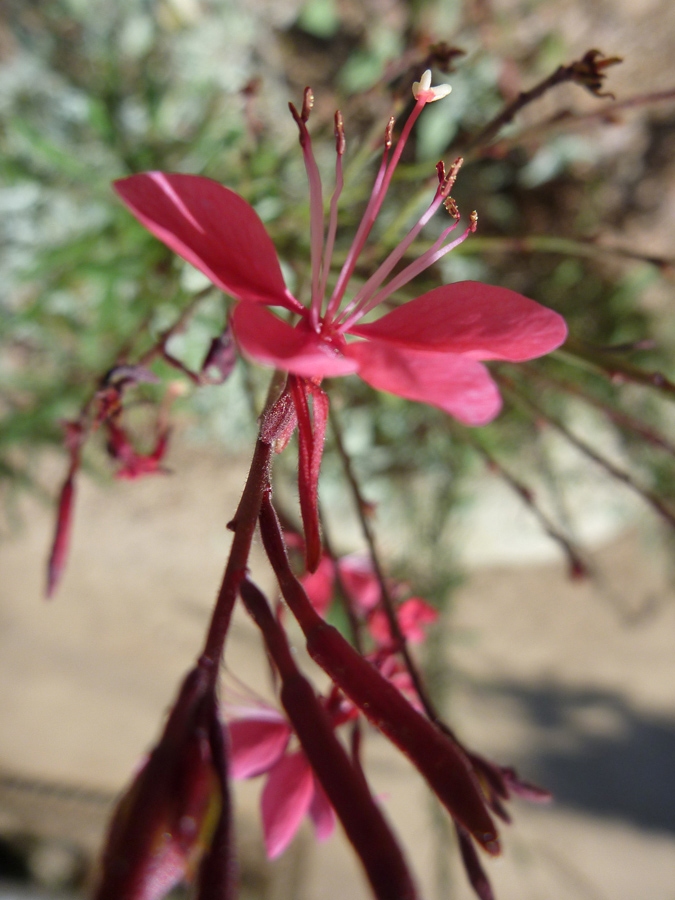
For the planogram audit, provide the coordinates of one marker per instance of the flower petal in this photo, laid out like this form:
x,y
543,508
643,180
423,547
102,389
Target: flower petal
x,y
477,320
211,227
360,581
269,340
461,387
256,746
321,813
319,585
285,800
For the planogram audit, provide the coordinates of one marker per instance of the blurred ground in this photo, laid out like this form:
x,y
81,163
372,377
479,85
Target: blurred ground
x,y
569,681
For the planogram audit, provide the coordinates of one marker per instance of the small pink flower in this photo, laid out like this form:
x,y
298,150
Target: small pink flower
x,y
413,614
259,745
429,349
356,576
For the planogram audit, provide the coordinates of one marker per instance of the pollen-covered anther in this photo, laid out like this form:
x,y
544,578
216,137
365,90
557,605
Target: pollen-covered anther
x,y
389,133
451,207
339,133
307,103
422,90
473,219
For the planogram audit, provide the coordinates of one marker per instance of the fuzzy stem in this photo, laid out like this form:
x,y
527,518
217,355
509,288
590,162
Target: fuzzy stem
x,y
243,525
440,759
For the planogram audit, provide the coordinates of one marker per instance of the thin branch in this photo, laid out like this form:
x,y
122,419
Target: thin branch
x,y
620,474
614,367
588,247
386,598
577,566
587,71
618,417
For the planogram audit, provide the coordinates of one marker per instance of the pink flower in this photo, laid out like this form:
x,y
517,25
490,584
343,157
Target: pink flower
x,y
356,576
258,745
429,349
413,614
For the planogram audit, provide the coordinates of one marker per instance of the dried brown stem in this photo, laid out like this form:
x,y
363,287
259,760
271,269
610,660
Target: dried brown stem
x,y
620,474
587,71
577,566
616,368
618,417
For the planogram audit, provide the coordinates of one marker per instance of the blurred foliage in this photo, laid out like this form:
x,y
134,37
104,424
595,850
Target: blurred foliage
x,y
93,91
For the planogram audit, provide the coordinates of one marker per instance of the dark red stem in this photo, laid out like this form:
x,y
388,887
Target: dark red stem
x,y
345,787
243,525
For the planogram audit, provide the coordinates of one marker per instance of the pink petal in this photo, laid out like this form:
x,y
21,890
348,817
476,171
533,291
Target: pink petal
x,y
319,585
268,340
211,227
474,319
360,581
459,386
412,614
285,800
256,746
321,813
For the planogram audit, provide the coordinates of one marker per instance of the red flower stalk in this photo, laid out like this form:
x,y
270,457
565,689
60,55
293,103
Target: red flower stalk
x,y
173,823
64,516
441,760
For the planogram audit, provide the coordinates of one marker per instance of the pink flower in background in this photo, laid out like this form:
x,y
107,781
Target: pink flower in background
x,y
428,349
413,614
259,739
356,576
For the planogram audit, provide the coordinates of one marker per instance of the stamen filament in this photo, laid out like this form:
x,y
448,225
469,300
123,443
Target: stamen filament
x,y
333,218
432,255
374,204
315,204
376,279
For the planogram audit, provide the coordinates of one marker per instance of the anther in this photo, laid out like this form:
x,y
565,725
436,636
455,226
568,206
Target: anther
x,y
451,207
388,134
339,133
307,103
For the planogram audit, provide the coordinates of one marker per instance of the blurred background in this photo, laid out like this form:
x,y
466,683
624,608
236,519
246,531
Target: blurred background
x,y
545,539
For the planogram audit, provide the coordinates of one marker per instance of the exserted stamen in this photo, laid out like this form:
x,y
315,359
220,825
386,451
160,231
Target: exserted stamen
x,y
315,203
361,233
375,203
433,254
446,181
360,300
332,219
423,94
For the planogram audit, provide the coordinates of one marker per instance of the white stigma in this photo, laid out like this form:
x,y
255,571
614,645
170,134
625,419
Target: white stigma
x,y
423,86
